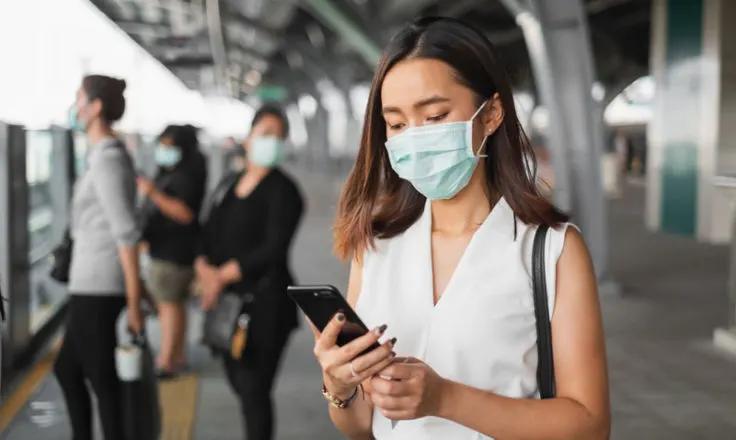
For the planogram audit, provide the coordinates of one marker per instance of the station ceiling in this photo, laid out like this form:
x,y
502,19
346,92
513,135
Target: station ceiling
x,y
249,47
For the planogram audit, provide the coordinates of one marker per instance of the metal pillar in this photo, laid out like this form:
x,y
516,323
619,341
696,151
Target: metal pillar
x,y
725,338
557,37
14,265
318,140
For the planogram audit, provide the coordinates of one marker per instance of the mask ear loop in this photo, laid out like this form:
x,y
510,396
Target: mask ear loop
x,y
490,131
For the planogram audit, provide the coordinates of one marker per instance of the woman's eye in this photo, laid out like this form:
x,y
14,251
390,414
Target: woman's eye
x,y
398,126
437,118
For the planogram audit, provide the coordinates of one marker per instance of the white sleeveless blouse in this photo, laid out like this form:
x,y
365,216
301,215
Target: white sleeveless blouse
x,y
482,331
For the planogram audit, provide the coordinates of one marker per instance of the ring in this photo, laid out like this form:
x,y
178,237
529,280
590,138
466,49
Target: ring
x,y
352,371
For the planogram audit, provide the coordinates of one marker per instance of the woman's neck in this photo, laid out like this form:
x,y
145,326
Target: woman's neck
x,y
98,131
466,211
256,171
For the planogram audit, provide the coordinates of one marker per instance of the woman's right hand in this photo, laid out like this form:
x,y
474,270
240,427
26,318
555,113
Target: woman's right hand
x,y
343,368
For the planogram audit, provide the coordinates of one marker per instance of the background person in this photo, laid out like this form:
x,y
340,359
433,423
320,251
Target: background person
x,y
246,244
103,277
171,234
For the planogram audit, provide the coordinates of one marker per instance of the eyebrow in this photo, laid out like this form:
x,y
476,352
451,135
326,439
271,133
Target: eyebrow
x,y
423,103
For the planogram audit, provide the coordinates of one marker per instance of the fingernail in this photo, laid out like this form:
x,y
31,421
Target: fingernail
x,y
393,354
392,341
381,329
340,317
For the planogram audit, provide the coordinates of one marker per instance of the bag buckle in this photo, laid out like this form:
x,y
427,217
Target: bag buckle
x,y
243,321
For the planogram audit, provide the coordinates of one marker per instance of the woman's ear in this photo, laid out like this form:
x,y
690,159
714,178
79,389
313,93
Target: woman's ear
x,y
493,114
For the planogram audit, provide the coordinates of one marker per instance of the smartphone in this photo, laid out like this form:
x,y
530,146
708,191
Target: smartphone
x,y
321,303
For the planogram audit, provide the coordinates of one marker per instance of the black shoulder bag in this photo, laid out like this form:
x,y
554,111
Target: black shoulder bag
x,y
226,326
62,259
546,365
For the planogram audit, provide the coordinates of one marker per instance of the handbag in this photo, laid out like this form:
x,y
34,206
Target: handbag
x,y
545,366
226,326
62,259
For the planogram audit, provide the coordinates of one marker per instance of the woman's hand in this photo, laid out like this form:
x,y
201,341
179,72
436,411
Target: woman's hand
x,y
211,285
145,186
343,368
135,319
408,389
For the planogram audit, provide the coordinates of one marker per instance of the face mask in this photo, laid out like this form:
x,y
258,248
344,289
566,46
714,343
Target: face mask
x,y
74,122
167,156
266,151
438,160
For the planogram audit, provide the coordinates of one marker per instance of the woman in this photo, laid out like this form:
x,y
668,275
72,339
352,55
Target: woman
x,y
246,245
171,231
103,277
438,216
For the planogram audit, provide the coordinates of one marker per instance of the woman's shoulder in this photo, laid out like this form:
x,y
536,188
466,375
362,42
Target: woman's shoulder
x,y
286,182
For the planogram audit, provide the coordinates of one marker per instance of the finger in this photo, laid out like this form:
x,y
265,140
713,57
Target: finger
x,y
373,357
328,338
315,330
358,345
393,388
398,371
397,414
390,403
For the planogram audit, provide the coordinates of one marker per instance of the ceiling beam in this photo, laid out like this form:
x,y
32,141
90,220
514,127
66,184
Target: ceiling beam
x,y
327,12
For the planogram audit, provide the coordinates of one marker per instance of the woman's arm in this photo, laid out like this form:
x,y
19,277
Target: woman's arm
x,y
175,208
355,421
581,409
283,218
116,195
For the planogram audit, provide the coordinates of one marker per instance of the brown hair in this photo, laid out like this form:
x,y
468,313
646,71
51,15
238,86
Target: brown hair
x,y
376,203
110,93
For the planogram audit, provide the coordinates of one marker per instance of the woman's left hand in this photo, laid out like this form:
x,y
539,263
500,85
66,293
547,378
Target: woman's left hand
x,y
407,389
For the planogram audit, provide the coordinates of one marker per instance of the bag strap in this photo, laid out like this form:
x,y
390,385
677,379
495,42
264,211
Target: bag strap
x,y
218,194
545,366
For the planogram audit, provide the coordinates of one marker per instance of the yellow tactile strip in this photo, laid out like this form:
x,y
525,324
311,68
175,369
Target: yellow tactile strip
x,y
13,404
179,407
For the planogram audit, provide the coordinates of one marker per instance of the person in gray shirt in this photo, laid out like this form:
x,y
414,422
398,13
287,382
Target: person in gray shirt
x,y
103,277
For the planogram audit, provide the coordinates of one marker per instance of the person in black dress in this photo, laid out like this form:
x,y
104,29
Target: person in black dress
x,y
245,246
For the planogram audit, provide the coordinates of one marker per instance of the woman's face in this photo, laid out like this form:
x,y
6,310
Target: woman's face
x,y
86,110
166,141
422,91
267,126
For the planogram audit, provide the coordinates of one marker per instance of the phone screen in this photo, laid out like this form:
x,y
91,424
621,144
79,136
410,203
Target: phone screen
x,y
321,303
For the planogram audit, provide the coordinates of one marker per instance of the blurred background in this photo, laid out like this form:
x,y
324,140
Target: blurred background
x,y
627,103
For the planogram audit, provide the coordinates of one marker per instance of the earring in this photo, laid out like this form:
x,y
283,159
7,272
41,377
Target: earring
x,y
490,130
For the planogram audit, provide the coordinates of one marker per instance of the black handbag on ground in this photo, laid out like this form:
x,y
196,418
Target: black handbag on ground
x,y
546,365
62,259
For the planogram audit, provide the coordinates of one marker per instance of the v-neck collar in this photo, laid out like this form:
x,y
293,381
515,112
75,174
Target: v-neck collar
x,y
494,229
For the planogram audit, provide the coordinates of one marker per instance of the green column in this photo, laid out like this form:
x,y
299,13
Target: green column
x,y
679,190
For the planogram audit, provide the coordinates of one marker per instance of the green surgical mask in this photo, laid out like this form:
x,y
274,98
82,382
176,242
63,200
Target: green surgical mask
x,y
438,159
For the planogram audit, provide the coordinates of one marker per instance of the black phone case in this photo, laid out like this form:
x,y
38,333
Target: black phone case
x,y
321,303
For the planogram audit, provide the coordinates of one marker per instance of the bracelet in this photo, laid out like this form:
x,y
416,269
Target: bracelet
x,y
336,401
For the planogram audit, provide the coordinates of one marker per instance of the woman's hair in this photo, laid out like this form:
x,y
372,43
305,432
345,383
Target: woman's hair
x,y
375,202
270,109
110,93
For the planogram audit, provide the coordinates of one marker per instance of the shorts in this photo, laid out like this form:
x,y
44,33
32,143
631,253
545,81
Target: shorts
x,y
169,282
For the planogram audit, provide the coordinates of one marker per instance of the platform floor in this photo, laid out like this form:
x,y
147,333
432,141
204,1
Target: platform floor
x,y
667,381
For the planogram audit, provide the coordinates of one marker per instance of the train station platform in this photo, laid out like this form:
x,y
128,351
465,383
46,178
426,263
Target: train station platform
x,y
667,380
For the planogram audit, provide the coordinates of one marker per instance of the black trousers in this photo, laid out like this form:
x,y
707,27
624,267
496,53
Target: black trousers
x,y
88,354
252,380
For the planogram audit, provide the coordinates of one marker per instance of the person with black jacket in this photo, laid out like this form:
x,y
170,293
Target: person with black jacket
x,y
170,233
245,248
